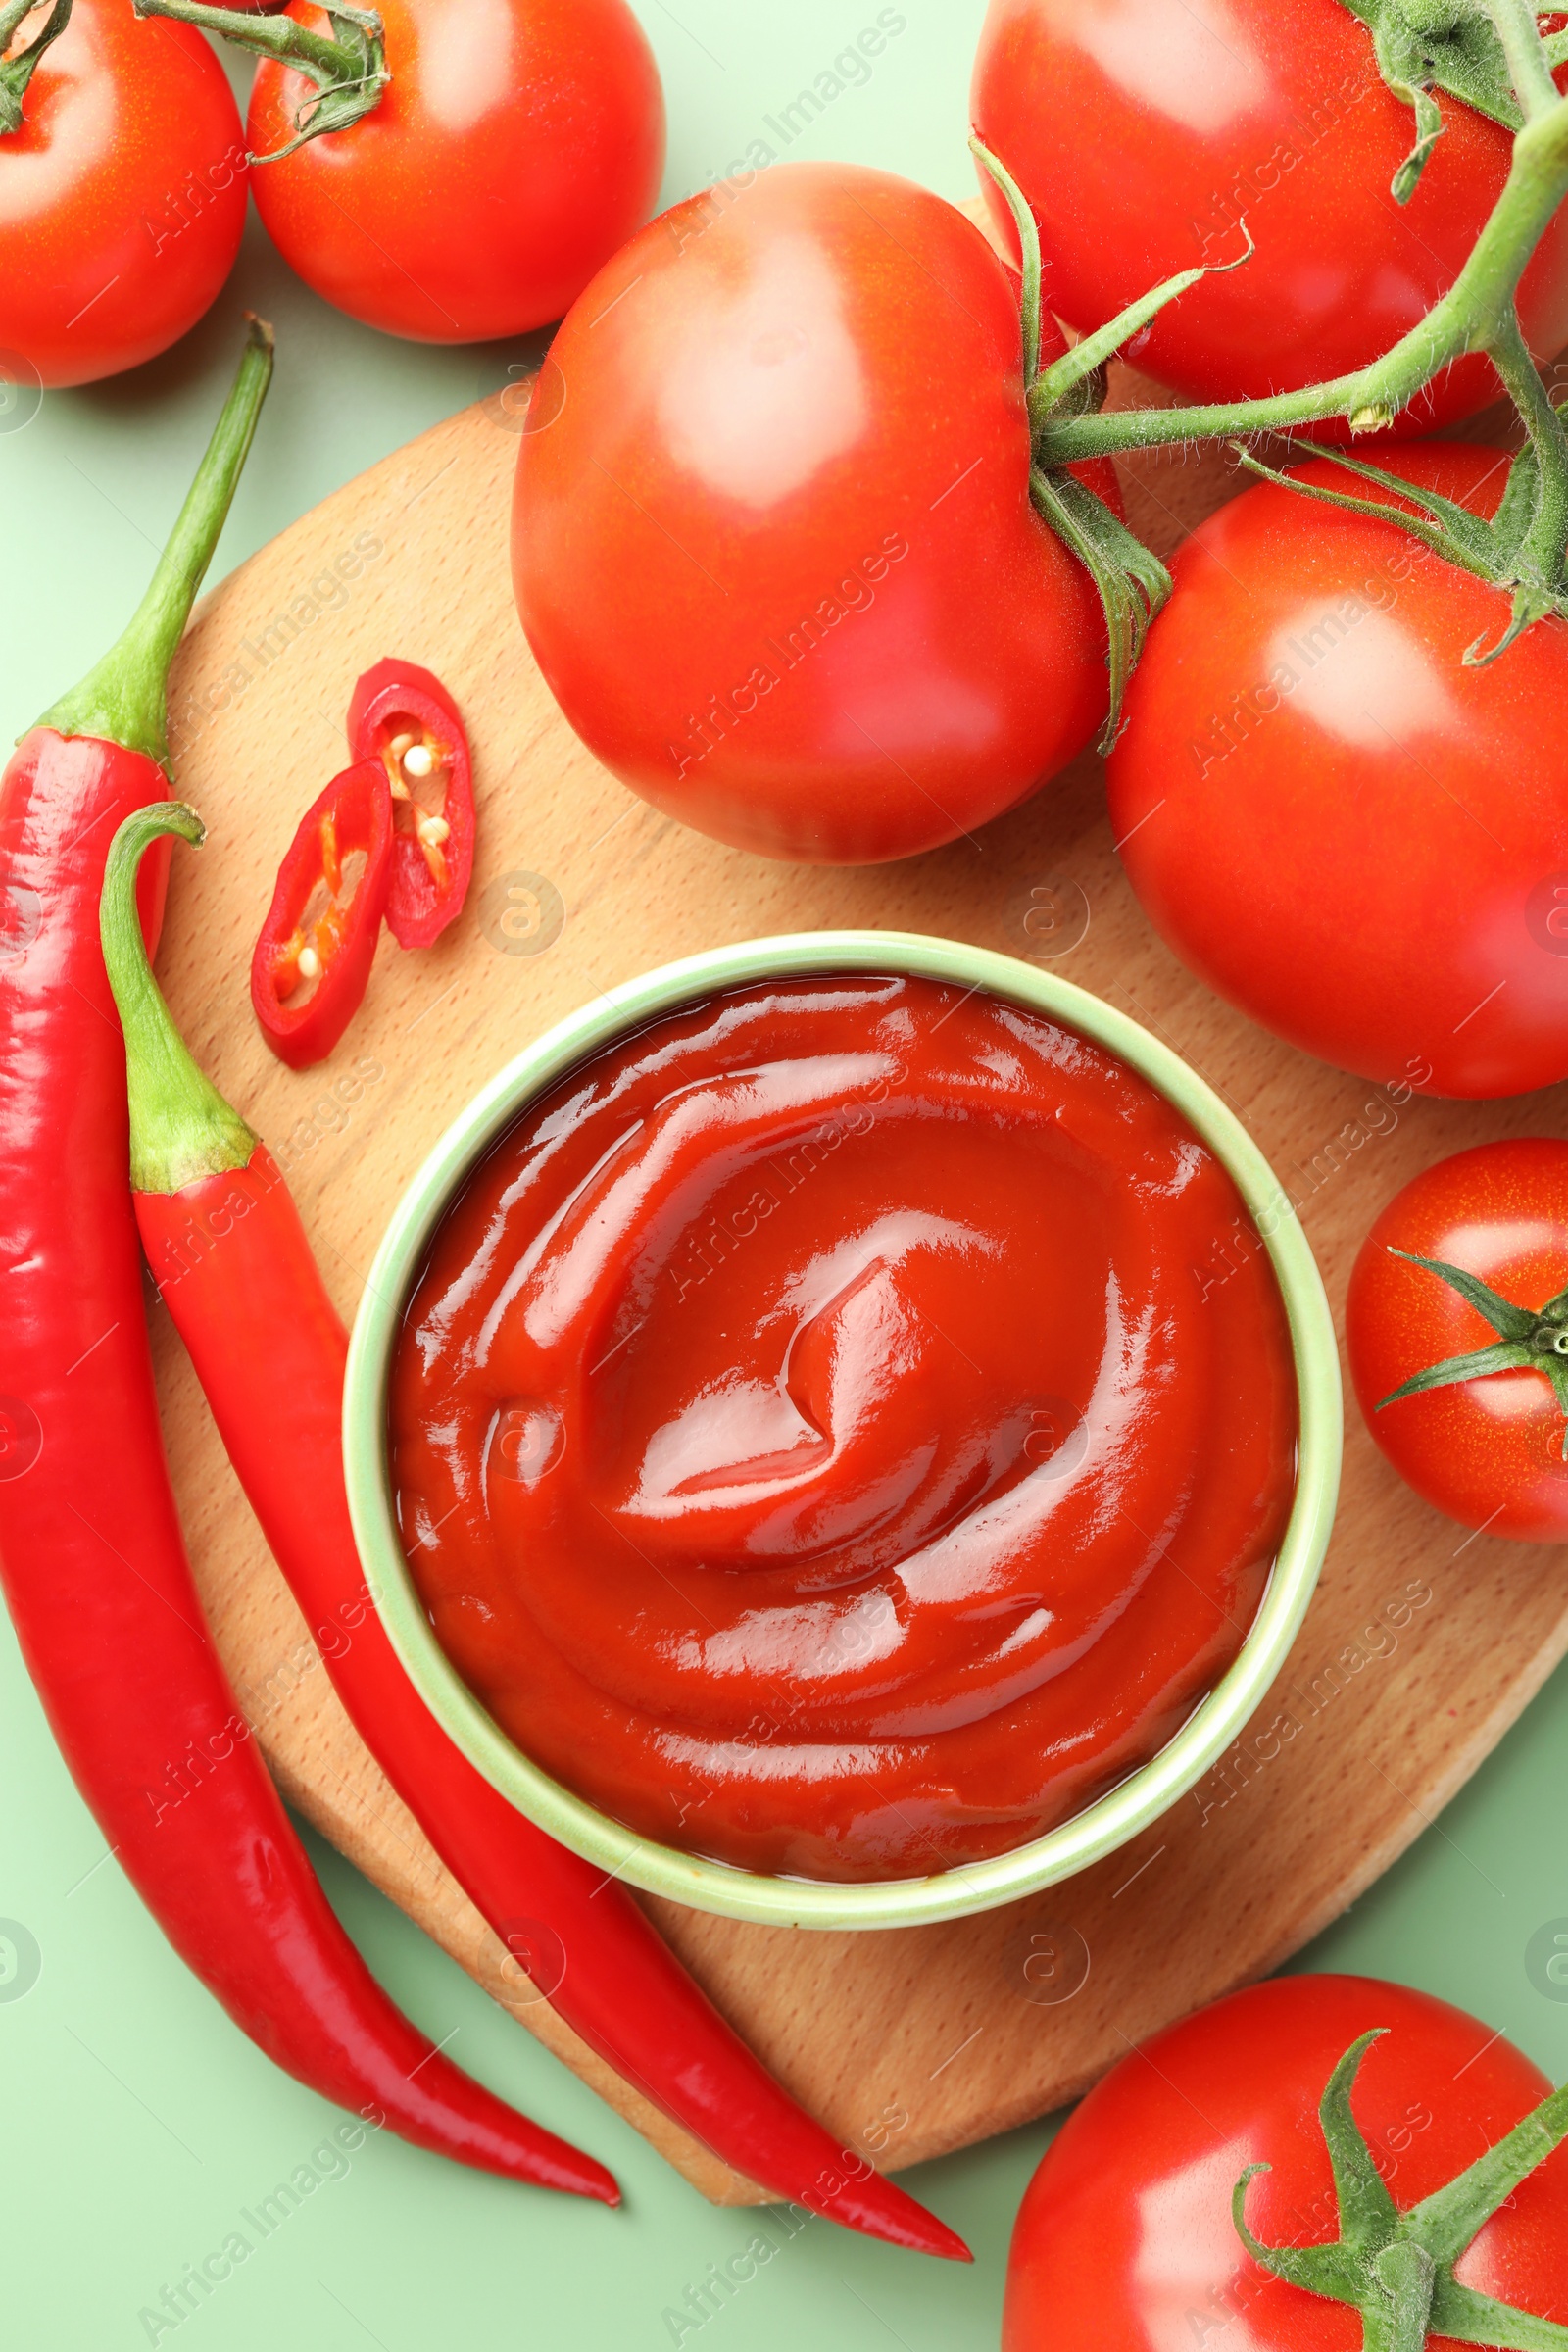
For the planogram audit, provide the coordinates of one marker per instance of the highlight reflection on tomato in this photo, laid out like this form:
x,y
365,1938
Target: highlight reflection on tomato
x,y
1142,134
121,195
515,146
1347,832
772,542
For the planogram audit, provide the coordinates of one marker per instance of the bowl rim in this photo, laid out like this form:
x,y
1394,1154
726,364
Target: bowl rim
x,y
1111,1820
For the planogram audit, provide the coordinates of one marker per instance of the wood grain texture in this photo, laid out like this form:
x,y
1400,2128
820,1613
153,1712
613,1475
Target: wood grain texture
x,y
1389,1701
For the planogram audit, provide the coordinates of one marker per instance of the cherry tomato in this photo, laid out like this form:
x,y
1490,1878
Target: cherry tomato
x,y
1144,133
122,196
1125,2242
1356,838
516,145
1487,1451
772,542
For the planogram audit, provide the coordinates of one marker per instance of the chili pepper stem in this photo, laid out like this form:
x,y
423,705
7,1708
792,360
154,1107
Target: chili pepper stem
x,y
123,699
182,1128
17,71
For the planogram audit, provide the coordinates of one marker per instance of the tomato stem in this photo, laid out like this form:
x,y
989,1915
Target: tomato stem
x,y
1396,2269
1540,562
1476,315
17,71
1028,253
181,1129
123,699
350,71
1519,38
1530,1339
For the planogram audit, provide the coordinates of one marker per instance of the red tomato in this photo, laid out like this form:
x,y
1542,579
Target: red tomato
x,y
516,145
122,196
772,542
1142,134
1356,839
1124,2241
1487,1452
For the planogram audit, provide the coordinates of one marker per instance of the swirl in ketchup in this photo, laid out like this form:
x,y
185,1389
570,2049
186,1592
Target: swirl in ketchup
x,y
844,1426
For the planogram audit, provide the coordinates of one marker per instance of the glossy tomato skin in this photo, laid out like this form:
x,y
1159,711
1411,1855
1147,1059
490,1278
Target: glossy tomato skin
x,y
515,147
1142,134
1345,832
1124,2241
773,543
122,196
1490,1452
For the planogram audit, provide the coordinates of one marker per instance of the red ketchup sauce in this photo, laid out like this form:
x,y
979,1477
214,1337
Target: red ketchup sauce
x,y
844,1426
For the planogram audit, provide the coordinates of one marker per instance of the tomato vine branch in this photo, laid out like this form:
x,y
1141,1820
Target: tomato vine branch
x,y
1519,38
349,71
1476,315
1493,54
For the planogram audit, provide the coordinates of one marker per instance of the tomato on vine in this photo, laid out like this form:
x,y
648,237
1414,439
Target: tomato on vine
x,y
1146,136
773,543
1320,2163
452,175
1458,1327
1345,827
122,182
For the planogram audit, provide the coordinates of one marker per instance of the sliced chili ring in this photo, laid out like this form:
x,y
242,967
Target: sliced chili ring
x,y
313,959
403,716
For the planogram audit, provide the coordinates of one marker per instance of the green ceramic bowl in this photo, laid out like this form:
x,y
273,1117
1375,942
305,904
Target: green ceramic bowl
x,y
1113,1819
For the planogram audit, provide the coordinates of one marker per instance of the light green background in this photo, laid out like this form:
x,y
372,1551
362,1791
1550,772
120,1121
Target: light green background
x,y
137,2122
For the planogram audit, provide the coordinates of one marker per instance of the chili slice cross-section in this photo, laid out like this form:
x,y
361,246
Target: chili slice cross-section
x,y
313,959
403,716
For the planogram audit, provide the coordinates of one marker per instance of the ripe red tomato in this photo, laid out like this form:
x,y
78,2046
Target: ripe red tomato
x,y
516,145
1141,133
1125,2243
1356,839
122,196
1489,1451
772,542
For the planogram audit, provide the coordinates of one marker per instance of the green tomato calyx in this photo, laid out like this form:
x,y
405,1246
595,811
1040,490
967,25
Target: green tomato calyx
x,y
349,71
1514,552
1529,1340
1396,2269
17,71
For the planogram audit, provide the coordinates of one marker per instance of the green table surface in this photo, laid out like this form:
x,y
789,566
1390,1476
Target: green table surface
x,y
138,2123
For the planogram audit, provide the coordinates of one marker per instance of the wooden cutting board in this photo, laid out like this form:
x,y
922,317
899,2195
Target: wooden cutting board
x,y
1422,1645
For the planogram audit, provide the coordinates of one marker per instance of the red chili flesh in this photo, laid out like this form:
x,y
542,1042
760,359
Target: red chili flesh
x,y
403,716
313,960
844,1426
96,1578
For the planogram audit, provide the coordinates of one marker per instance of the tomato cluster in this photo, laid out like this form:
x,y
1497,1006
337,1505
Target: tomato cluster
x,y
501,157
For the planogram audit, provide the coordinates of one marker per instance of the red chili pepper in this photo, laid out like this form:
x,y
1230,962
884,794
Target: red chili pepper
x,y
313,960
98,1587
227,1247
403,716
